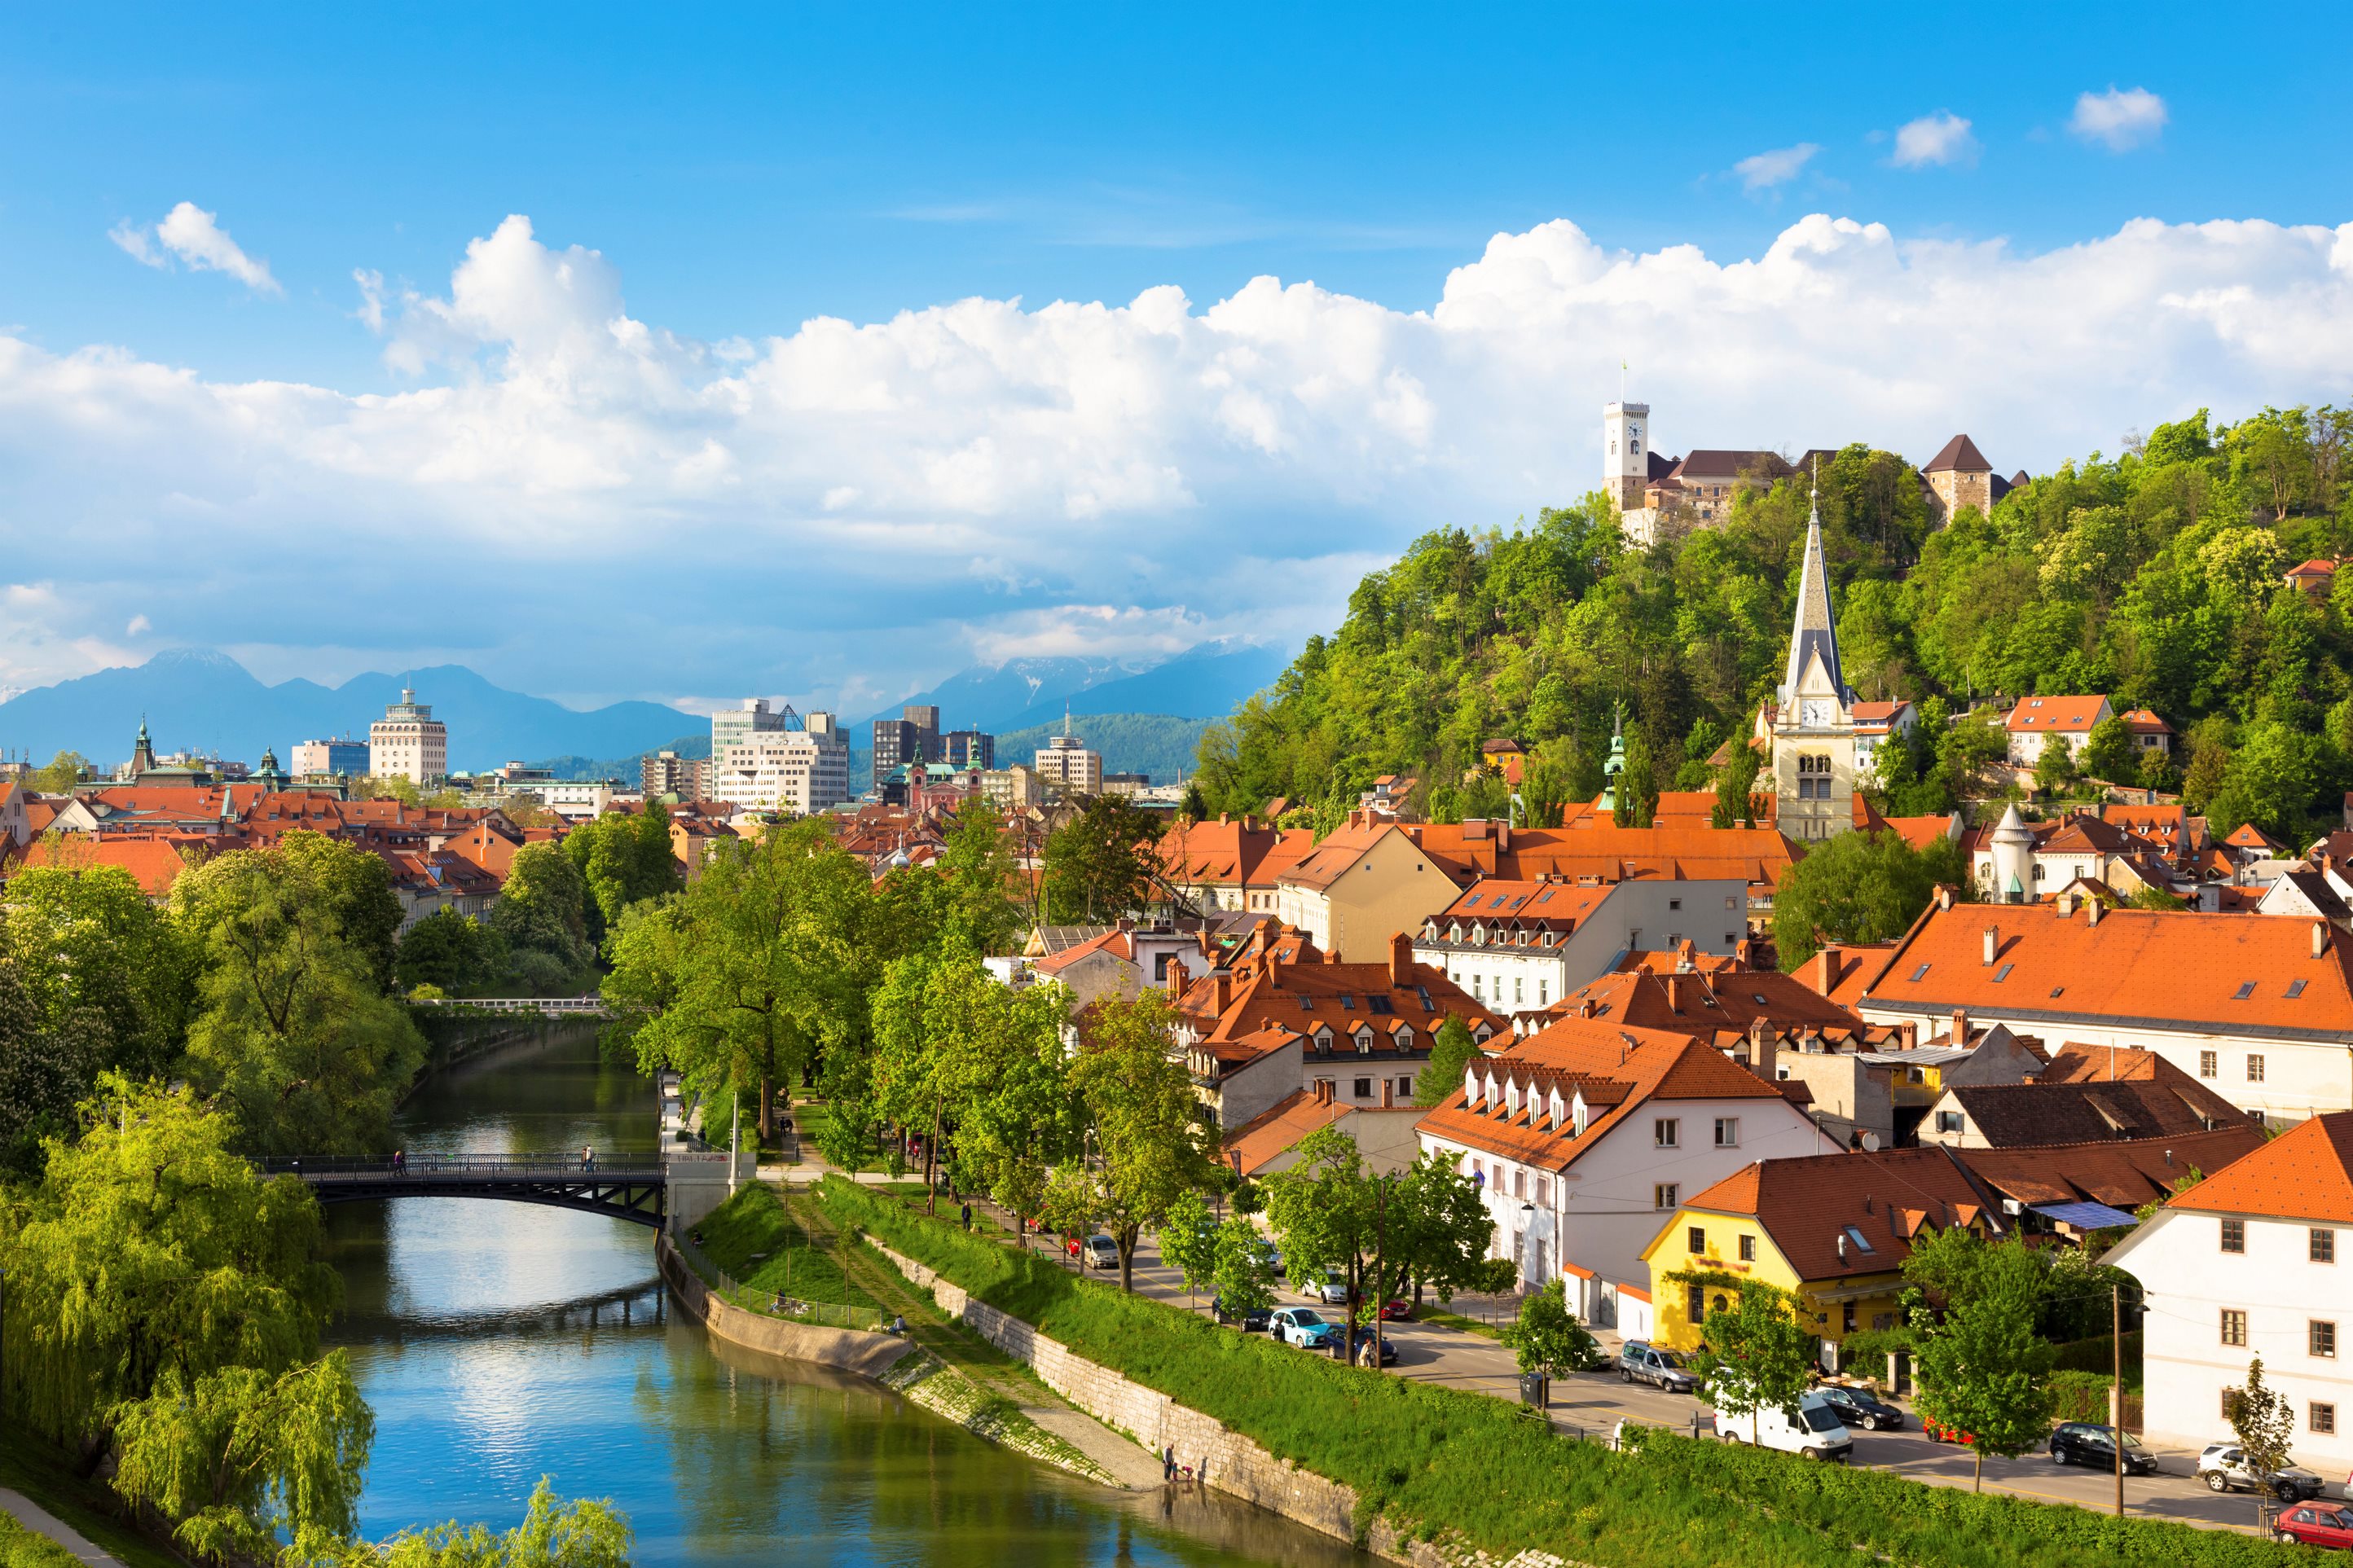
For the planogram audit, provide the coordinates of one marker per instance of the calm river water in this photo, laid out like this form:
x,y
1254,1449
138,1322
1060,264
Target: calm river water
x,y
500,1342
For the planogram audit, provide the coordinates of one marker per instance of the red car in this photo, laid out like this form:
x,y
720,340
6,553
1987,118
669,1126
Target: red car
x,y
2314,1524
1938,1432
1397,1312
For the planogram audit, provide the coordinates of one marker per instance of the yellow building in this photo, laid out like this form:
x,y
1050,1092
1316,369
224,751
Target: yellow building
x,y
1831,1229
1361,886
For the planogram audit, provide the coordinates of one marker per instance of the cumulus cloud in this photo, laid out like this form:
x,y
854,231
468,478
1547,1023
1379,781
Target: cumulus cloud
x,y
2119,121
1937,139
846,507
197,239
1765,170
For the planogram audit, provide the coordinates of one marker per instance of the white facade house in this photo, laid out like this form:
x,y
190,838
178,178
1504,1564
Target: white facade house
x,y
2036,719
2252,1261
800,771
409,744
1586,1139
1521,946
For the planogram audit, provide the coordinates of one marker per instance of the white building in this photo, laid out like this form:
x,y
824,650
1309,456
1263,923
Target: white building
x,y
1586,1139
2035,720
733,726
311,758
1067,766
2251,1261
798,770
1519,946
409,744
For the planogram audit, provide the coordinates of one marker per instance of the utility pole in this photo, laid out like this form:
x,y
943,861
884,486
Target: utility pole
x,y
2116,1393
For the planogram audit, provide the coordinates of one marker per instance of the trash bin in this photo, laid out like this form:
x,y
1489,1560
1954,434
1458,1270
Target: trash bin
x,y
1534,1389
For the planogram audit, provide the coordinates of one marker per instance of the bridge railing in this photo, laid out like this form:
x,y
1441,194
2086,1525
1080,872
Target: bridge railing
x,y
590,1004
477,1166
774,1303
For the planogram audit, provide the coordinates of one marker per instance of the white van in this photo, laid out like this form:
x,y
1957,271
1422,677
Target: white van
x,y
1813,1429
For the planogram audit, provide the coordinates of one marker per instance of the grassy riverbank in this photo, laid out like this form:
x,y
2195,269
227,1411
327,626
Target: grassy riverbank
x,y
754,1237
1448,1465
46,1476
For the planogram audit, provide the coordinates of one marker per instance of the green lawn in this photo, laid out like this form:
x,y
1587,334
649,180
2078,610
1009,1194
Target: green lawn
x,y
1442,1463
754,1237
42,1473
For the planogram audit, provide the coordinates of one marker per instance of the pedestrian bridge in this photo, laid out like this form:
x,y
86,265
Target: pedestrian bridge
x,y
634,1187
546,1007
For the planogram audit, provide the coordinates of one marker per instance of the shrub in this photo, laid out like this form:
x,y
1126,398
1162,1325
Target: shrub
x,y
1439,1462
2099,1355
21,1548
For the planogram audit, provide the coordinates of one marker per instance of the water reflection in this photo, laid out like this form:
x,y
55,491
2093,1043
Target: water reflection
x,y
502,1341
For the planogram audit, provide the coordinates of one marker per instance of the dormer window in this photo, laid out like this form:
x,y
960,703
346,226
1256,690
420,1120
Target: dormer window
x,y
1364,1039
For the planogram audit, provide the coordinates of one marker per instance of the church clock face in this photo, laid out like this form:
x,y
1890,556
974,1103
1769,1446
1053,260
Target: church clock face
x,y
1814,712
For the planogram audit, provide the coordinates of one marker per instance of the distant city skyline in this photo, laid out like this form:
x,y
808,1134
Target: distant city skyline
x,y
616,358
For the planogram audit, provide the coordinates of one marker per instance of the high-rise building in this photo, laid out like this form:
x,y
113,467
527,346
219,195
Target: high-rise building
x,y
409,744
1066,766
962,748
667,773
732,725
913,737
319,758
803,770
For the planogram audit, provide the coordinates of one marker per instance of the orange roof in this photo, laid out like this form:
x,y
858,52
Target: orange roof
x,y
2069,715
2247,835
2246,975
1876,1202
2315,567
154,862
2141,722
1706,1003
1920,832
1509,902
2122,1173
1259,1141
2307,1173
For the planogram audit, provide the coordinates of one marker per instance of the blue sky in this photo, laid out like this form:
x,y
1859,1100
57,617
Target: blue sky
x,y
741,173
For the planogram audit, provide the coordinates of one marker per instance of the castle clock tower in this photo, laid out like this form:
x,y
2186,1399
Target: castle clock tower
x,y
1813,729
1625,452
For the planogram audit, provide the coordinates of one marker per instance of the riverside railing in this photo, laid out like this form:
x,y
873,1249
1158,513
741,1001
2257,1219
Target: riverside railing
x,y
552,1164
777,1304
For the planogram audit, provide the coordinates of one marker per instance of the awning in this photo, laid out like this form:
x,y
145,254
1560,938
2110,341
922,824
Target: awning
x,y
2085,1216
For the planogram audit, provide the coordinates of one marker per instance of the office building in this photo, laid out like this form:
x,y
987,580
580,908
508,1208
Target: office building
x,y
408,743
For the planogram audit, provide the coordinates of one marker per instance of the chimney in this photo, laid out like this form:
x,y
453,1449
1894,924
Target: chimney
x,y
1224,995
1127,922
1503,836
1175,978
1944,897
1826,969
1223,819
2065,904
1960,1026
1992,944
1674,984
2320,939
1401,960
1763,1051
2093,909
1910,1032
1324,1086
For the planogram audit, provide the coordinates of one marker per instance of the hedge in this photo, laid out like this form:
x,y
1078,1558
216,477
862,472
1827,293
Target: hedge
x,y
1439,1462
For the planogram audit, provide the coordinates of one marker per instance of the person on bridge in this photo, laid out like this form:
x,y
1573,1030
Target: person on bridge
x,y
587,1156
399,1160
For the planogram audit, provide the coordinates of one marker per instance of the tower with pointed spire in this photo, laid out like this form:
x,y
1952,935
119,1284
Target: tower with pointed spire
x,y
1813,723
143,752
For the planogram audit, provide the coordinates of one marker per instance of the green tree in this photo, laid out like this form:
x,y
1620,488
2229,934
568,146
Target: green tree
x,y
542,916
1735,787
1856,886
2055,772
2108,755
1435,1230
1188,1238
453,951
1101,864
148,1246
1450,1054
292,1030
1983,1366
1241,1271
2262,1420
240,1458
353,890
47,1066
624,858
980,869
1755,1355
64,771
1144,1148
1328,1215
553,1534
1547,1336
87,940
1018,1120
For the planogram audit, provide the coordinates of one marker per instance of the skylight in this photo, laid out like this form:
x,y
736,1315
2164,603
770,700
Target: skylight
x,y
1919,975
2003,972
1857,1238
2245,992
1347,1002
2294,989
1379,1005
1307,1004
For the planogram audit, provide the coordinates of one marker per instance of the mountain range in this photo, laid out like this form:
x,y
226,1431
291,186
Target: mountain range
x,y
198,700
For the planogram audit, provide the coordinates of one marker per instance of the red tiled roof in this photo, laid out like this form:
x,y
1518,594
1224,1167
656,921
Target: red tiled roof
x,y
1877,1202
1294,1116
155,862
2141,722
1920,832
2307,1173
1959,455
2069,715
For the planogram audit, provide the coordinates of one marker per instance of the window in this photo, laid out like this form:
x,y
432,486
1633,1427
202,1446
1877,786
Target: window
x,y
1846,1323
1919,975
1516,988
1363,1088
1519,1183
1748,1249
1728,1132
1544,1191
1663,1197
2324,1245
1696,1303
1675,903
2294,989
1948,1122
2234,1235
2320,1339
2322,1417
2207,1065
2245,990
2235,1326
2003,972
2254,1070
1405,1088
1695,1241
1666,1132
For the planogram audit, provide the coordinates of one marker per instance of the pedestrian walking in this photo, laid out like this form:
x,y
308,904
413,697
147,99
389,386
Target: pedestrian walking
x,y
587,1156
1168,1463
967,1216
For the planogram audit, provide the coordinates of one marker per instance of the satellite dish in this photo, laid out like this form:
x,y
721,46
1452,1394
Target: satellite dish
x,y
1871,1142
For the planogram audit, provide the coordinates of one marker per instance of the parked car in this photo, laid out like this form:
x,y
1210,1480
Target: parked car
x,y
1272,1255
1937,1432
1103,1252
1254,1321
1304,1327
1813,1429
1397,1312
1332,1289
2223,1468
1641,1362
2082,1443
2314,1524
1860,1407
1389,1351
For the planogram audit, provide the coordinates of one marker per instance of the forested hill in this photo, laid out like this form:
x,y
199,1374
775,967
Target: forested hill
x,y
2155,576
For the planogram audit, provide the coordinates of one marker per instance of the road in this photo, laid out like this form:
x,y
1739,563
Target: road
x,y
1598,1401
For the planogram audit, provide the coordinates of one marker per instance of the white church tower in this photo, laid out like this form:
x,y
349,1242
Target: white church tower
x,y
1813,728
1626,452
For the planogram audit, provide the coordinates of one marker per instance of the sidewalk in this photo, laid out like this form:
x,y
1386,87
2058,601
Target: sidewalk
x,y
41,1521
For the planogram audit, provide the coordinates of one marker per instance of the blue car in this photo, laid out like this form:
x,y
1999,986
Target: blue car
x,y
1304,1327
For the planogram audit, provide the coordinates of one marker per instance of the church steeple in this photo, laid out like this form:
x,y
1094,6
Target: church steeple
x,y
1815,633
143,752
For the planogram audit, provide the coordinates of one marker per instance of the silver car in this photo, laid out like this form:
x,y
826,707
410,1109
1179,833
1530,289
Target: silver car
x,y
2223,1468
1332,1289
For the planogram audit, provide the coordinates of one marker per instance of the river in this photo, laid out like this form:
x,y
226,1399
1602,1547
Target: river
x,y
499,1342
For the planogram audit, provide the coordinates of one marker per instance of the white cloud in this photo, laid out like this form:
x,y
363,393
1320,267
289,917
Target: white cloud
x,y
2119,121
1765,170
197,237
1940,137
138,623
851,507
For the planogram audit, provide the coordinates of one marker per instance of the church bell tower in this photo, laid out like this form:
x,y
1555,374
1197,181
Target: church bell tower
x,y
1813,727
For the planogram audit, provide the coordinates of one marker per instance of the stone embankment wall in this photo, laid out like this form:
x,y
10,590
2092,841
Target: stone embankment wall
x,y
1220,1456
